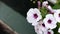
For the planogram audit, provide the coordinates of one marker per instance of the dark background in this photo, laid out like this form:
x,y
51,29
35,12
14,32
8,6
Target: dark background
x,y
21,6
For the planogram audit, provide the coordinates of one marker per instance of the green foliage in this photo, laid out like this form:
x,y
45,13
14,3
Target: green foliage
x,y
56,29
57,5
41,0
43,12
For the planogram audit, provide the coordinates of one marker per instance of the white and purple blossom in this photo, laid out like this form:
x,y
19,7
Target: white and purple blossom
x,y
48,7
37,30
57,15
44,25
45,4
40,28
48,32
33,15
50,21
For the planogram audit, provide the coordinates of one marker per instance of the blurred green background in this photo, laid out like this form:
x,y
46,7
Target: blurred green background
x,y
15,20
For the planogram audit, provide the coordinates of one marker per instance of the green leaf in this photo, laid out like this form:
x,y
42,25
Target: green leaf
x,y
56,29
58,2
41,0
58,24
57,6
43,12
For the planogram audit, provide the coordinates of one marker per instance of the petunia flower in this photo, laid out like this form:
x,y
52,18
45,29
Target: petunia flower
x,y
57,15
50,21
53,1
45,4
59,30
40,28
33,15
37,30
49,32
50,9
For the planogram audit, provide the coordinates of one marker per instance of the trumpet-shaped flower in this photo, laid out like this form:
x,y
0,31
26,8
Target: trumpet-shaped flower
x,y
33,15
57,15
50,21
45,3
49,32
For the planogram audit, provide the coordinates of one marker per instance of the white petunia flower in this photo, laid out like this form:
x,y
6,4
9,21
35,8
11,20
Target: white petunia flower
x,y
40,32
40,28
59,30
37,30
44,4
50,9
33,15
50,21
49,32
53,1
57,15
54,10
